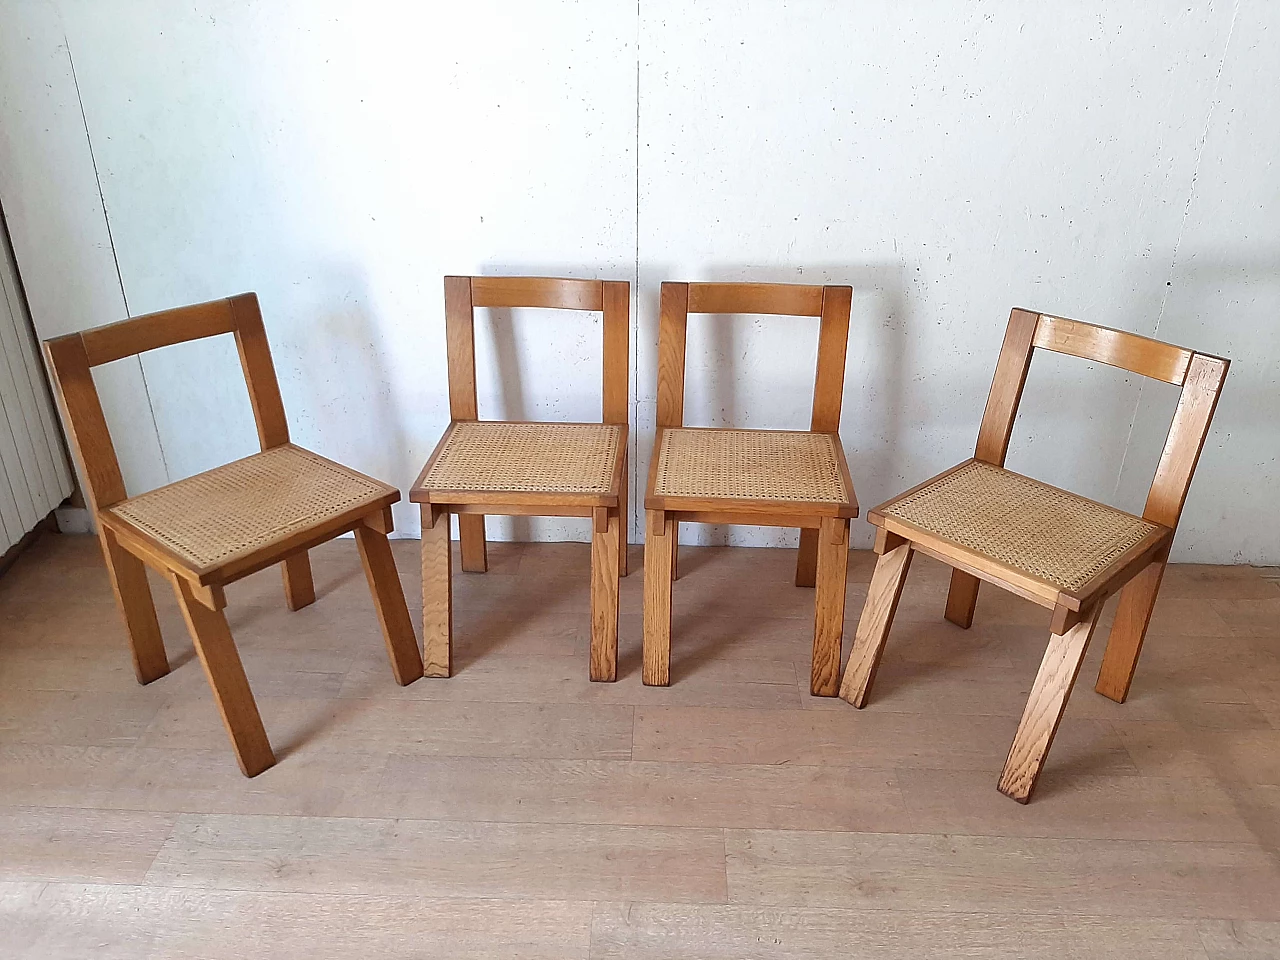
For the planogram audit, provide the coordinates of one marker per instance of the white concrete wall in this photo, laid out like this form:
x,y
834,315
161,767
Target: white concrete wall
x,y
1111,162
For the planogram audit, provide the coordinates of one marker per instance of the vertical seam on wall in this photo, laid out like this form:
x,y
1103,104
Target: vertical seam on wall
x,y
115,259
636,495
1214,100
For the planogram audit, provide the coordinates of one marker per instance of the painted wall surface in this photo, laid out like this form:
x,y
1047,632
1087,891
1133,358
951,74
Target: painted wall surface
x,y
1111,162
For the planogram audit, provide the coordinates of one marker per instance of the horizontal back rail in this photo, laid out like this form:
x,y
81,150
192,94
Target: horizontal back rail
x,y
777,299
1129,351
546,292
126,338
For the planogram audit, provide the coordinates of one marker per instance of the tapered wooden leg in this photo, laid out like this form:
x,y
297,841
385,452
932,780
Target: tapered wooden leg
x,y
828,623
299,589
1044,708
1133,614
807,559
475,555
437,594
962,598
605,541
624,511
388,600
133,599
877,616
222,667
659,557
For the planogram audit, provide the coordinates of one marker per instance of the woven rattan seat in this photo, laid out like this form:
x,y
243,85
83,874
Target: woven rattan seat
x,y
242,507
526,457
1030,526
775,465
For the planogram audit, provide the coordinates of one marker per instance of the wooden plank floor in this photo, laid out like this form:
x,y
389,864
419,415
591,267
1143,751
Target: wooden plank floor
x,y
517,810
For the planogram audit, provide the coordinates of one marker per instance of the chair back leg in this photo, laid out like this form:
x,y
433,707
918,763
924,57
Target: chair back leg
x,y
962,597
1133,615
606,541
299,588
475,554
807,558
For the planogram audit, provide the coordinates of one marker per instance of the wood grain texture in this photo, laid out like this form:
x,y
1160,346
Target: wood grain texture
x,y
605,545
460,348
259,371
1045,705
471,541
299,588
833,344
437,593
1141,355
781,299
828,625
962,598
1006,387
222,667
807,558
124,338
659,555
388,602
673,322
547,292
616,388
133,599
1128,630
873,626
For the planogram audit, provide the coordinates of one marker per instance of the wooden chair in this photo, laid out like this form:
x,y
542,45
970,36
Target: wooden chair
x,y
209,530
774,478
526,469
1050,546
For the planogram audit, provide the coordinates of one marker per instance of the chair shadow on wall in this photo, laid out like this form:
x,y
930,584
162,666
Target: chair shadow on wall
x,y
874,399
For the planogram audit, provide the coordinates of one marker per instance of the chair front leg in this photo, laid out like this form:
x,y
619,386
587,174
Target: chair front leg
x,y
659,557
437,593
962,597
388,600
606,537
807,558
133,598
1044,707
1133,615
828,623
225,673
877,617
475,554
299,588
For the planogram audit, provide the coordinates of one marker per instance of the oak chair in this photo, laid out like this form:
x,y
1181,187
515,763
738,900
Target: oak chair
x,y
526,469
1052,547
211,529
777,478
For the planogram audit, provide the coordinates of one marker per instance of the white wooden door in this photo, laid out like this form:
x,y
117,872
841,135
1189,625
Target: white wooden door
x,y
34,474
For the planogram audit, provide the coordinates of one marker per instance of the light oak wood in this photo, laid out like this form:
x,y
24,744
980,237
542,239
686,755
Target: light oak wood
x,y
1141,355
1043,713
659,556
877,616
128,544
605,543
299,588
133,598
225,673
437,593
462,296
832,304
828,626
1074,601
388,601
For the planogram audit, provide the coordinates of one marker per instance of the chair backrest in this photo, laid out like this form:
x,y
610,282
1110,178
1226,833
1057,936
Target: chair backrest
x,y
830,303
72,358
610,297
1200,376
